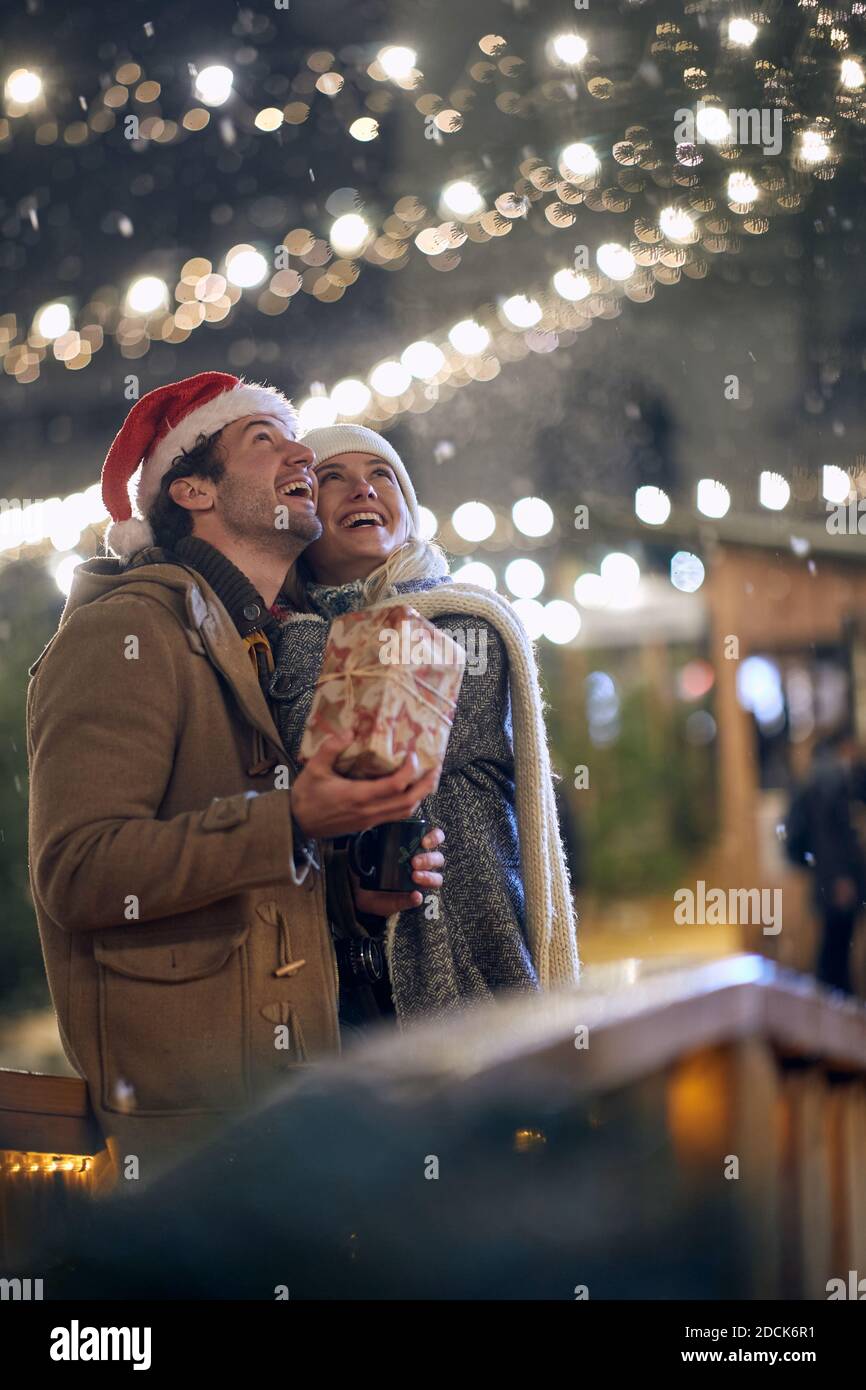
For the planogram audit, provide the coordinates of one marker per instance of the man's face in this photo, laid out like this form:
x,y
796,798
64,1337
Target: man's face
x,y
269,491
363,516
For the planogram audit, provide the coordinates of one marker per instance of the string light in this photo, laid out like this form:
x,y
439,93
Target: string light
x,y
570,49
397,62
23,87
713,498
836,485
53,320
774,491
525,578
614,260
742,32
462,198
571,284
469,337
246,267
474,521
476,572
522,312
213,85
349,234
652,505
424,360
147,294
532,516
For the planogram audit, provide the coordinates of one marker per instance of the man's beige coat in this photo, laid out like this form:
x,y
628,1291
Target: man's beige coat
x,y
164,891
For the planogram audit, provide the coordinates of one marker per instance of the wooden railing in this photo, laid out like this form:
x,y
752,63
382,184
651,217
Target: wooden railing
x,y
750,1083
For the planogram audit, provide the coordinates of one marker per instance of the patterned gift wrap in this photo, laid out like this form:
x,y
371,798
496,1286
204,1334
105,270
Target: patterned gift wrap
x,y
391,678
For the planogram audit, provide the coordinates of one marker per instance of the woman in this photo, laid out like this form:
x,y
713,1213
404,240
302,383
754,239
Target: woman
x,y
504,918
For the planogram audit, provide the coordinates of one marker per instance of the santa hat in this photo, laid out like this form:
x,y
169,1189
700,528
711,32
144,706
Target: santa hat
x,y
357,439
161,426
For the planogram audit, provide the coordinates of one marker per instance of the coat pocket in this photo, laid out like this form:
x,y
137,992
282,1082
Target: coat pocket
x,y
173,1020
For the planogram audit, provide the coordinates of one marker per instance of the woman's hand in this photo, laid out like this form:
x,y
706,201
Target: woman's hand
x,y
325,804
424,873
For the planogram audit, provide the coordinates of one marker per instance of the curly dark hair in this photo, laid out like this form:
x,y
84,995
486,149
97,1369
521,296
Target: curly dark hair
x,y
169,522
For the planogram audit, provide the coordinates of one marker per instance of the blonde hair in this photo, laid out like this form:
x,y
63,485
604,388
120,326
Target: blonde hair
x,y
414,559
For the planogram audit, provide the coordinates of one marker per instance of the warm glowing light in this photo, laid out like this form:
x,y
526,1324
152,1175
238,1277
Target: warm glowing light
x,y
813,147
774,491
561,621
713,124
676,224
742,188
713,497
522,312
742,32
836,483
532,516
570,48
247,267
571,284
429,525
474,521
579,158
213,85
852,74
424,360
52,320
687,572
476,572
531,614
64,571
147,294
23,86
462,198
351,397
614,260
524,578
317,412
269,118
364,129
469,337
590,591
620,575
652,505
349,233
397,61
390,379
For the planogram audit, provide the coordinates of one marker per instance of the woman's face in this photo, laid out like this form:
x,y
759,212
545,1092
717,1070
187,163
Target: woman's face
x,y
363,516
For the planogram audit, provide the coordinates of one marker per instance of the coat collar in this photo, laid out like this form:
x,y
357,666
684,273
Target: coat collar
x,y
180,588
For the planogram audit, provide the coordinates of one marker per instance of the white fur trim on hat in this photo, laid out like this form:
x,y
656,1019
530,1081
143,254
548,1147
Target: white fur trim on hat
x,y
347,439
246,399
125,538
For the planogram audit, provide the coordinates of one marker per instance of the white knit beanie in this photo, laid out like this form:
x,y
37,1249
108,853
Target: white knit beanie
x,y
348,439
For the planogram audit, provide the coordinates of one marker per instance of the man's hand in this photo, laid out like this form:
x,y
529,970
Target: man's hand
x,y
424,868
325,805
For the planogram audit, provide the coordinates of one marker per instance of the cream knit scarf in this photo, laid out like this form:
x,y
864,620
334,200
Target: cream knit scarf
x,y
551,922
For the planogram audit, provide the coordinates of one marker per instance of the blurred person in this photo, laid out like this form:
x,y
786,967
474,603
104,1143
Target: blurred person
x,y
504,918
821,833
178,880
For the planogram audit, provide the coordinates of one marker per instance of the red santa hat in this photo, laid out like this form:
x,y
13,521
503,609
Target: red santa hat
x,y
162,425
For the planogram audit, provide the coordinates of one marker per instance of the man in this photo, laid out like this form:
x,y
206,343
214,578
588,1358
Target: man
x,y
177,879
821,832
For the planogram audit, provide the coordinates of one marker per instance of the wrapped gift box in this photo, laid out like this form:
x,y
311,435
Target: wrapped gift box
x,y
392,679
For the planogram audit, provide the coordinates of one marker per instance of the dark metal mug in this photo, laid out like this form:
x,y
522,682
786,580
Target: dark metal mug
x,y
382,855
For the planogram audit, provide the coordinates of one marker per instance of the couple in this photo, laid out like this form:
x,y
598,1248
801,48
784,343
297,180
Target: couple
x,y
190,879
